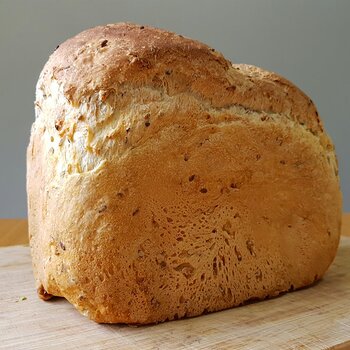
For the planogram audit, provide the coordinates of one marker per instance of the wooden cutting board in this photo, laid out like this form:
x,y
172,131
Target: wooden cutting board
x,y
313,318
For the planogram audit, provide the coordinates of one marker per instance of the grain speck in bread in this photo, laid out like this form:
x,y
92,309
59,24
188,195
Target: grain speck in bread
x,y
164,181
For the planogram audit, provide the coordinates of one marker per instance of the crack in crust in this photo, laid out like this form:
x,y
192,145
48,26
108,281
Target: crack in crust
x,y
105,125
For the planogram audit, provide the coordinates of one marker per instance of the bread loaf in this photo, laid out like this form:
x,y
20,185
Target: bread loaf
x,y
166,182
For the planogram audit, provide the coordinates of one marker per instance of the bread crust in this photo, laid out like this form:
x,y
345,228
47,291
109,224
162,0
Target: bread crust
x,y
165,182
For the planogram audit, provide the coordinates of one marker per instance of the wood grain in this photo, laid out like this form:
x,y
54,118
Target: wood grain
x,y
312,318
15,231
346,226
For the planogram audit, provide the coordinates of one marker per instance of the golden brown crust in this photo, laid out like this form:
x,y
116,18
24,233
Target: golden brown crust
x,y
136,55
164,182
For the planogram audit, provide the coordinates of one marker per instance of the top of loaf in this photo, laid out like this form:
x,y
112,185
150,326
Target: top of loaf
x,y
105,59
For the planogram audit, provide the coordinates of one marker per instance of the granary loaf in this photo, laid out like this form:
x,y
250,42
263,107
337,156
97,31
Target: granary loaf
x,y
166,182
